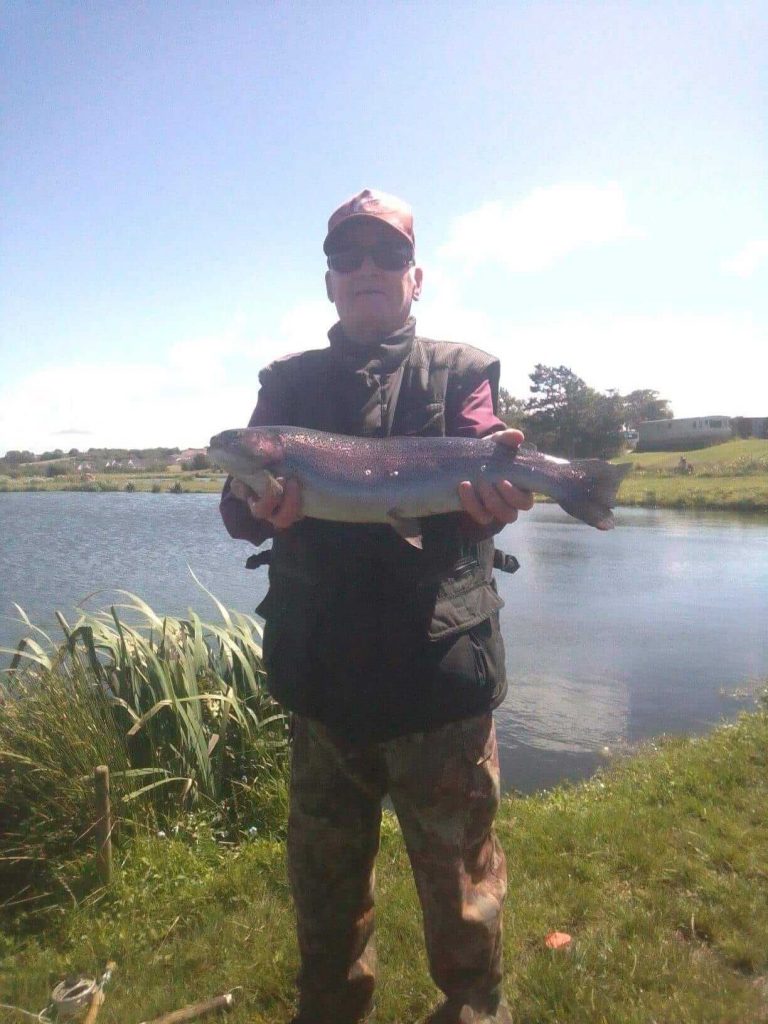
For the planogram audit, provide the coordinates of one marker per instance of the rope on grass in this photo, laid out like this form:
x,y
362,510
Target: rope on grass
x,y
42,1016
71,998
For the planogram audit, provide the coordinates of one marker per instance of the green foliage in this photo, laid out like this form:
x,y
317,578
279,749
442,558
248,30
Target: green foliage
x,y
511,409
198,461
566,417
15,457
645,405
176,707
56,726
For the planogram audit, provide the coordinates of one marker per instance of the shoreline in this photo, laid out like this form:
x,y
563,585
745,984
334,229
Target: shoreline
x,y
649,492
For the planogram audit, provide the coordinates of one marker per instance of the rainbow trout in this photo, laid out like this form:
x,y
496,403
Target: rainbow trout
x,y
397,480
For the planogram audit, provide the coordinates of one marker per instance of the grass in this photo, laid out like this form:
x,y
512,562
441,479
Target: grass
x,y
658,869
731,476
199,482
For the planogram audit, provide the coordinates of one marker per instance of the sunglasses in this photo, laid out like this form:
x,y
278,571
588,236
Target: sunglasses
x,y
384,255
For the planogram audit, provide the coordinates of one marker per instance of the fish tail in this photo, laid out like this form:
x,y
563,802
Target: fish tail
x,y
596,494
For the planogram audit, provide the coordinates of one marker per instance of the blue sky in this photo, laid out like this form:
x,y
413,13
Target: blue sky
x,y
589,183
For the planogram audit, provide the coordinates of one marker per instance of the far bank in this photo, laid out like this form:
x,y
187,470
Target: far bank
x,y
731,476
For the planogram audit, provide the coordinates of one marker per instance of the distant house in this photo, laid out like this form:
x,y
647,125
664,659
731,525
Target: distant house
x,y
757,426
693,432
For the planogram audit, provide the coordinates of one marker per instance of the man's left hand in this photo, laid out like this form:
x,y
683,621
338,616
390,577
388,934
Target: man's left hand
x,y
487,503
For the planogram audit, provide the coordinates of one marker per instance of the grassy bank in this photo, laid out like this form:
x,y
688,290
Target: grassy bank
x,y
170,481
657,869
726,476
730,476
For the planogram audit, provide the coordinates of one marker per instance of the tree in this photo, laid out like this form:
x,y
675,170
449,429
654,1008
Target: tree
x,y
645,405
511,409
18,457
566,417
200,461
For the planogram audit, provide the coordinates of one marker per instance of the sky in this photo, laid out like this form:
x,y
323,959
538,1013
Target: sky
x,y
588,181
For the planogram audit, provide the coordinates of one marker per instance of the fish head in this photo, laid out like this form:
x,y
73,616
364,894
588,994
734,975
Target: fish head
x,y
247,450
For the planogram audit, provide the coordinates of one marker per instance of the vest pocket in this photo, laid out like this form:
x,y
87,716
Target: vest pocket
x,y
461,605
288,643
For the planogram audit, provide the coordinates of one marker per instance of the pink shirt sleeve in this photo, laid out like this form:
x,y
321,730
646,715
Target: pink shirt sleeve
x,y
476,417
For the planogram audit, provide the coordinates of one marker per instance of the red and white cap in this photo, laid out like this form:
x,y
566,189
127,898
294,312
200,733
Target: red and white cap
x,y
374,205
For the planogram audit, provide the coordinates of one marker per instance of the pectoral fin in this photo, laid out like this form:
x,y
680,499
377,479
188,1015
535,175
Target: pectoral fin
x,y
409,529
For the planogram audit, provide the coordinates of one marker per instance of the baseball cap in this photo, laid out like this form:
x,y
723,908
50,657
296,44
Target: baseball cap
x,y
374,205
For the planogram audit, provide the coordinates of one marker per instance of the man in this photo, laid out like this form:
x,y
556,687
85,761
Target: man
x,y
390,658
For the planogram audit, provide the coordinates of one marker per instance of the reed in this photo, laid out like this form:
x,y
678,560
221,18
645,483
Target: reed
x,y
176,708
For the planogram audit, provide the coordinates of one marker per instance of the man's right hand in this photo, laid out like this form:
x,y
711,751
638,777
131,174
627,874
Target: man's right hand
x,y
280,507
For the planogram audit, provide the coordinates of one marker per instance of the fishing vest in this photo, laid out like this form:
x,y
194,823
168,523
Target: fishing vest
x,y
362,630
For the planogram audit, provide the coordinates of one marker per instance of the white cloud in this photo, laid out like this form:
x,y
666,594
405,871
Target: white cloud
x,y
192,390
704,365
539,230
748,259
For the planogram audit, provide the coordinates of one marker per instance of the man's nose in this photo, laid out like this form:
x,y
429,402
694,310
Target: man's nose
x,y
367,261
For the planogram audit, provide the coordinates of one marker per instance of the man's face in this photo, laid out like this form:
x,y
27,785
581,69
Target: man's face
x,y
371,302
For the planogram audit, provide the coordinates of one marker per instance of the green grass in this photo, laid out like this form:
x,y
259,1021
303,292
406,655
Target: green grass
x,y
731,476
202,482
658,869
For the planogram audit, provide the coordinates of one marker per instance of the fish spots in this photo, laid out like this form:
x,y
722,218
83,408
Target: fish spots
x,y
395,472
368,472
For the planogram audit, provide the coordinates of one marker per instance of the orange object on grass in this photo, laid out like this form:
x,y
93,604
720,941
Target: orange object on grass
x,y
557,940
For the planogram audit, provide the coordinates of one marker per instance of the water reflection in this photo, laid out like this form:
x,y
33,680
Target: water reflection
x,y
611,637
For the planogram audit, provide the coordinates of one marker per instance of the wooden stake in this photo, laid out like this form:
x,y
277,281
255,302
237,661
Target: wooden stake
x,y
103,824
195,1010
93,1010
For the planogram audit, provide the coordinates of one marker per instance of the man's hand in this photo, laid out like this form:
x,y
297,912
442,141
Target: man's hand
x,y
279,506
487,503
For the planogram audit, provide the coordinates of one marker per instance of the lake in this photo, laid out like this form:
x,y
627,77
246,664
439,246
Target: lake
x,y
657,627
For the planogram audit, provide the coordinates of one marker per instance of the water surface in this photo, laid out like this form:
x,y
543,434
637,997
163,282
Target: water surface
x,y
611,637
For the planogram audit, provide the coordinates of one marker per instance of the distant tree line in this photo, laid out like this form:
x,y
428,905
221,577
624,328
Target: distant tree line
x,y
24,463
566,417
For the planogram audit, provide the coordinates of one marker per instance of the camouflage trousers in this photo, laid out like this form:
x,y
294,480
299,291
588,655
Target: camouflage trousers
x,y
444,786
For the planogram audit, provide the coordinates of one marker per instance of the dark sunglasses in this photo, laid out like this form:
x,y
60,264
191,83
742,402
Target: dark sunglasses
x,y
384,255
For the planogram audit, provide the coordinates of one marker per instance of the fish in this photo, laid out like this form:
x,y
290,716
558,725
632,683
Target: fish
x,y
399,480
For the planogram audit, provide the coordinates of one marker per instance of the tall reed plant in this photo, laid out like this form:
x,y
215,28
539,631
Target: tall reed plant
x,y
176,707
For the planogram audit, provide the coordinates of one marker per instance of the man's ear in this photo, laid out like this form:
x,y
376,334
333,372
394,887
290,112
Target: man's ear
x,y
328,288
418,280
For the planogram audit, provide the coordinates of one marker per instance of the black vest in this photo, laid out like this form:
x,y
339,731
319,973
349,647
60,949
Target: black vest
x,y
363,632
